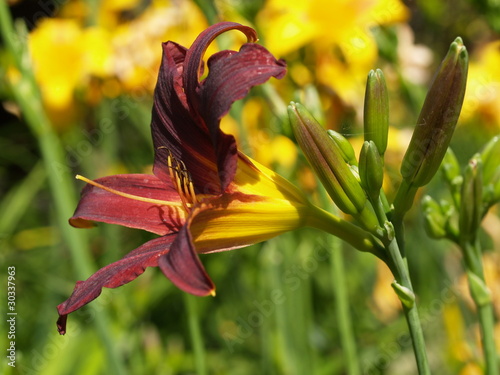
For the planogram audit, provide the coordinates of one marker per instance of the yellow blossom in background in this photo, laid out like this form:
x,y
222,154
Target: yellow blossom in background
x,y
482,98
120,55
337,33
58,60
384,304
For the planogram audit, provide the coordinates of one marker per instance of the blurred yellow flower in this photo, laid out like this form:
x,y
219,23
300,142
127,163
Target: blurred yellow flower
x,y
482,98
58,60
338,32
122,55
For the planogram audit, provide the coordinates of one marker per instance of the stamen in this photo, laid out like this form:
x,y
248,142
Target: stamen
x,y
131,196
181,179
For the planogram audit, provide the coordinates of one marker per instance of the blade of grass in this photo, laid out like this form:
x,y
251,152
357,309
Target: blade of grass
x,y
191,303
28,98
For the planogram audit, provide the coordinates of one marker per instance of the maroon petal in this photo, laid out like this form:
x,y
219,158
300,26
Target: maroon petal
x,y
175,129
99,205
194,56
182,266
113,276
230,78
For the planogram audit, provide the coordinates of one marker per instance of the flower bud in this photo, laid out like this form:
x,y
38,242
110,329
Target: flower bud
x,y
344,146
471,206
371,169
452,174
437,118
450,166
326,159
376,111
434,220
490,155
479,290
405,295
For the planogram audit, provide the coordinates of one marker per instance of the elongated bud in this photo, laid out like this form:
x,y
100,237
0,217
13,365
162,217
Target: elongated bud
x,y
371,169
471,206
452,174
344,146
490,156
450,166
326,159
437,119
434,220
376,111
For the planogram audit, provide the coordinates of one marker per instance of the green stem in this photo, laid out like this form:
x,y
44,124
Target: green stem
x,y
345,230
195,332
398,265
402,276
473,263
28,98
342,307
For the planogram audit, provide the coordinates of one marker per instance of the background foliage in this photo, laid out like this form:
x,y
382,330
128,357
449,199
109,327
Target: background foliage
x,y
275,311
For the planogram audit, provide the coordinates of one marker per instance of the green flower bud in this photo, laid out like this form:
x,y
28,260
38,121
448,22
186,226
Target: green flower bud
x,y
376,111
451,167
437,119
405,295
434,220
452,174
326,159
478,289
450,213
490,155
371,170
471,206
344,146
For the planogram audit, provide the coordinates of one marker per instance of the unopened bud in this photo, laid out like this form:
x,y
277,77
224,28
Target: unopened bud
x,y
371,169
471,206
376,111
452,174
405,295
325,157
437,119
490,156
344,146
434,220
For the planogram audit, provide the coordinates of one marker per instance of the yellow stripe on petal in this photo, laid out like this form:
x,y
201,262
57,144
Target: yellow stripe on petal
x,y
252,178
236,220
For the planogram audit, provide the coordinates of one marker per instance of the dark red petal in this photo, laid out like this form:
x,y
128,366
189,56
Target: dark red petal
x,y
231,76
99,205
194,56
175,129
183,267
113,276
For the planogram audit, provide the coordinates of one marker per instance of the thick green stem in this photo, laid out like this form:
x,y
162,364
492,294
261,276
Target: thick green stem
x,y
411,313
398,265
352,234
481,296
195,332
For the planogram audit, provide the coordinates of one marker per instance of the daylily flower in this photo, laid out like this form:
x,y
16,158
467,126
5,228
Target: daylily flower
x,y
205,195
